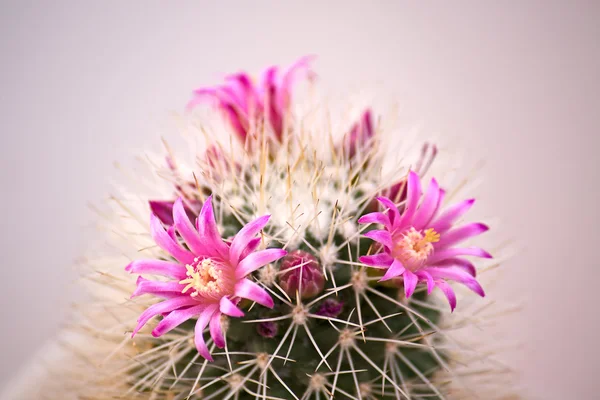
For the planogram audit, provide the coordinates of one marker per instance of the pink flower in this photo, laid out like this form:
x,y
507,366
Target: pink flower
x,y
244,104
209,279
418,245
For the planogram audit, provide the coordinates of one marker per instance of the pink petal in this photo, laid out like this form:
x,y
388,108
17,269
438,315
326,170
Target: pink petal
x,y
412,198
272,110
451,214
426,276
227,307
410,283
448,292
145,286
428,206
209,233
216,332
256,260
457,274
176,318
375,218
252,246
462,263
202,323
251,291
185,228
381,260
459,234
163,210
244,236
238,122
380,236
245,89
165,242
161,308
302,66
360,135
457,251
393,214
396,269
157,267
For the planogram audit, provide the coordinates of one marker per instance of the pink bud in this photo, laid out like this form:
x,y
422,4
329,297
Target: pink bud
x,y
330,308
360,135
267,329
301,265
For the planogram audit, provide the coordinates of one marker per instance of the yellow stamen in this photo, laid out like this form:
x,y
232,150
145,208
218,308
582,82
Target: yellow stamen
x,y
204,278
431,236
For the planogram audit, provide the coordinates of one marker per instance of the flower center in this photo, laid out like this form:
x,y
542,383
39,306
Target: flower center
x,y
413,248
206,277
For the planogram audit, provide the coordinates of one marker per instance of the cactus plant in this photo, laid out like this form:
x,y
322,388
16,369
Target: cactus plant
x,y
289,264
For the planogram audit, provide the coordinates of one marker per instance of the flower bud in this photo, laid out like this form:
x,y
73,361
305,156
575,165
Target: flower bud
x,y
360,135
267,329
330,308
301,265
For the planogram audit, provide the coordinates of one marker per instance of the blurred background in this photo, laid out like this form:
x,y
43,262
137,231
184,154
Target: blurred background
x,y
85,84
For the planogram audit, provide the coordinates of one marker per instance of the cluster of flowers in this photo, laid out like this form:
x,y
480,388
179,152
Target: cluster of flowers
x,y
415,240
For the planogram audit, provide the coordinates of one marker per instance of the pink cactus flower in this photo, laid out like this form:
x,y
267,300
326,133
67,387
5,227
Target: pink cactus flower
x,y
244,104
418,244
209,279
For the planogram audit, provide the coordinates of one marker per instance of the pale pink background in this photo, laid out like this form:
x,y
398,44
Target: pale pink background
x,y
86,83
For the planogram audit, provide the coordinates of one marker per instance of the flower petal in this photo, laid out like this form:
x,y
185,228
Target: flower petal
x,y
157,267
448,292
203,320
381,260
457,251
145,286
462,263
216,331
165,242
209,233
413,195
375,218
410,283
252,246
459,234
256,260
426,276
161,308
251,291
163,210
186,229
380,236
301,66
272,110
244,236
428,207
176,318
450,215
396,269
393,214
227,307
457,274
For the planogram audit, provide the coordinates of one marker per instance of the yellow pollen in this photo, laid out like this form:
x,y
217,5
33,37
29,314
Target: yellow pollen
x,y
205,278
431,236
413,247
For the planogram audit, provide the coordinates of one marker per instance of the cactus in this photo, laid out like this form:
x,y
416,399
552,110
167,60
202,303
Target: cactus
x,y
290,265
